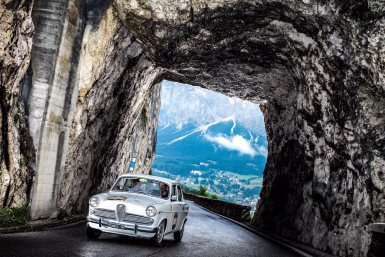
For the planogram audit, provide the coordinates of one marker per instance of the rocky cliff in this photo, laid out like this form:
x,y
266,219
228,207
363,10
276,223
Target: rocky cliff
x,y
16,153
87,105
116,113
317,67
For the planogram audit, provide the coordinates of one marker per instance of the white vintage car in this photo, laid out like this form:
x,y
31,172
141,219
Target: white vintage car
x,y
140,206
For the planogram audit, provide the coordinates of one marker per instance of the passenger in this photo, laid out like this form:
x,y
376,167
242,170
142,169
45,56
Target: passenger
x,y
164,190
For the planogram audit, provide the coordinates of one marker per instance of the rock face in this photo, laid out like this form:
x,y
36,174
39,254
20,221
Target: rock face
x,y
87,73
93,110
316,66
319,69
116,87
16,155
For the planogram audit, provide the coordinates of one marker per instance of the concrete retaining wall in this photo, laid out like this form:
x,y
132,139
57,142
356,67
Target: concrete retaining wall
x,y
55,55
377,246
234,211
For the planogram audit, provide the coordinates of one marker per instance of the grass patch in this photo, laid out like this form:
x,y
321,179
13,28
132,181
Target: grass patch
x,y
62,215
13,216
212,196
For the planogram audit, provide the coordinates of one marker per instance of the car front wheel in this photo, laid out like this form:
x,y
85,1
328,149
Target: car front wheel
x,y
93,233
179,234
158,238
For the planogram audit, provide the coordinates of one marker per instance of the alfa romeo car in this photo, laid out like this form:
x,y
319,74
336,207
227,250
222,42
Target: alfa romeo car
x,y
139,206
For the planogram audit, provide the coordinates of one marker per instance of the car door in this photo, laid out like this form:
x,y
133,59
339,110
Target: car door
x,y
184,206
176,208
180,208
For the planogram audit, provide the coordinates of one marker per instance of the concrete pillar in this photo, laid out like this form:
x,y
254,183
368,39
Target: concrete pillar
x,y
54,90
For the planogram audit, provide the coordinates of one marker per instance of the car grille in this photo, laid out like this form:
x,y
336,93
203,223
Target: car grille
x,y
138,219
110,214
106,214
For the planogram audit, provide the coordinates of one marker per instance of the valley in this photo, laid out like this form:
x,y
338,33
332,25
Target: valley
x,y
221,149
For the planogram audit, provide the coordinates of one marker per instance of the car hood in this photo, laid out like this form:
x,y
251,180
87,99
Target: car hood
x,y
135,203
133,198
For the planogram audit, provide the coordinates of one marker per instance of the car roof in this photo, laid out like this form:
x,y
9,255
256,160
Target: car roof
x,y
164,180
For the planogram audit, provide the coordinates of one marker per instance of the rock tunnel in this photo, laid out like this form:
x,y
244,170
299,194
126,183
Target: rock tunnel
x,y
80,97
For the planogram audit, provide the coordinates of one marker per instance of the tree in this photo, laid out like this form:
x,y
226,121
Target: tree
x,y
203,190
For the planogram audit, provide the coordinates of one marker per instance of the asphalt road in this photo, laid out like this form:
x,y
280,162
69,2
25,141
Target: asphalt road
x,y
206,234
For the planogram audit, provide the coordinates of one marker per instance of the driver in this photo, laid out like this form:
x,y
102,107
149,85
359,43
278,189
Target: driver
x,y
135,185
164,190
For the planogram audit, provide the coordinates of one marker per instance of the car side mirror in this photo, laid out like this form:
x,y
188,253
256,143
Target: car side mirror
x,y
173,198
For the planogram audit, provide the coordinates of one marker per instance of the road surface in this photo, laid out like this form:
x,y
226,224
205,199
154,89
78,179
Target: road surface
x,y
206,234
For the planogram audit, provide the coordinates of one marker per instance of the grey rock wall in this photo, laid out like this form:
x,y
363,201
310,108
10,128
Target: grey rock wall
x,y
87,105
317,68
16,151
100,109
116,113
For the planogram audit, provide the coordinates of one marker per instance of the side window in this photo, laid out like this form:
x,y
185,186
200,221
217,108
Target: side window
x,y
179,194
120,185
173,192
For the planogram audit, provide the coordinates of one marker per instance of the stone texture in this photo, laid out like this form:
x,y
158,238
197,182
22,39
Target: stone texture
x,y
317,68
16,155
116,113
89,84
90,112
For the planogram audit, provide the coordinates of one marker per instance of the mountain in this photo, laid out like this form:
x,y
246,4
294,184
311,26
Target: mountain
x,y
210,139
216,147
183,104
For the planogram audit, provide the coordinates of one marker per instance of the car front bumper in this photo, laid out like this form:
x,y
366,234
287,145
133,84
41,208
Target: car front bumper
x,y
121,228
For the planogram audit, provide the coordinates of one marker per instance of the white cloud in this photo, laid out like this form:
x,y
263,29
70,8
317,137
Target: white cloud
x,y
237,143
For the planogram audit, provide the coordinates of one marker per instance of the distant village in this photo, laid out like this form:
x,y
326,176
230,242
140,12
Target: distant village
x,y
226,186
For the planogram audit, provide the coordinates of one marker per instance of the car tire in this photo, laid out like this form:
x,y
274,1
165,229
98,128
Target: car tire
x,y
93,233
158,238
179,234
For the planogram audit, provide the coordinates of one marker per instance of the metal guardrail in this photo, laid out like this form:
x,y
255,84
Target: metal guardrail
x,y
234,211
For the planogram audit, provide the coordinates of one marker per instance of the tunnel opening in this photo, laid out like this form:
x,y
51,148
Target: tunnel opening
x,y
316,67
257,56
224,51
214,145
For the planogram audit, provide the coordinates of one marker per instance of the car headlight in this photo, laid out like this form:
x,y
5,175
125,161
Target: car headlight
x,y
151,211
94,201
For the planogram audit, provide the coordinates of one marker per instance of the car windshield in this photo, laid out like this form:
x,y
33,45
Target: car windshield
x,y
142,186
